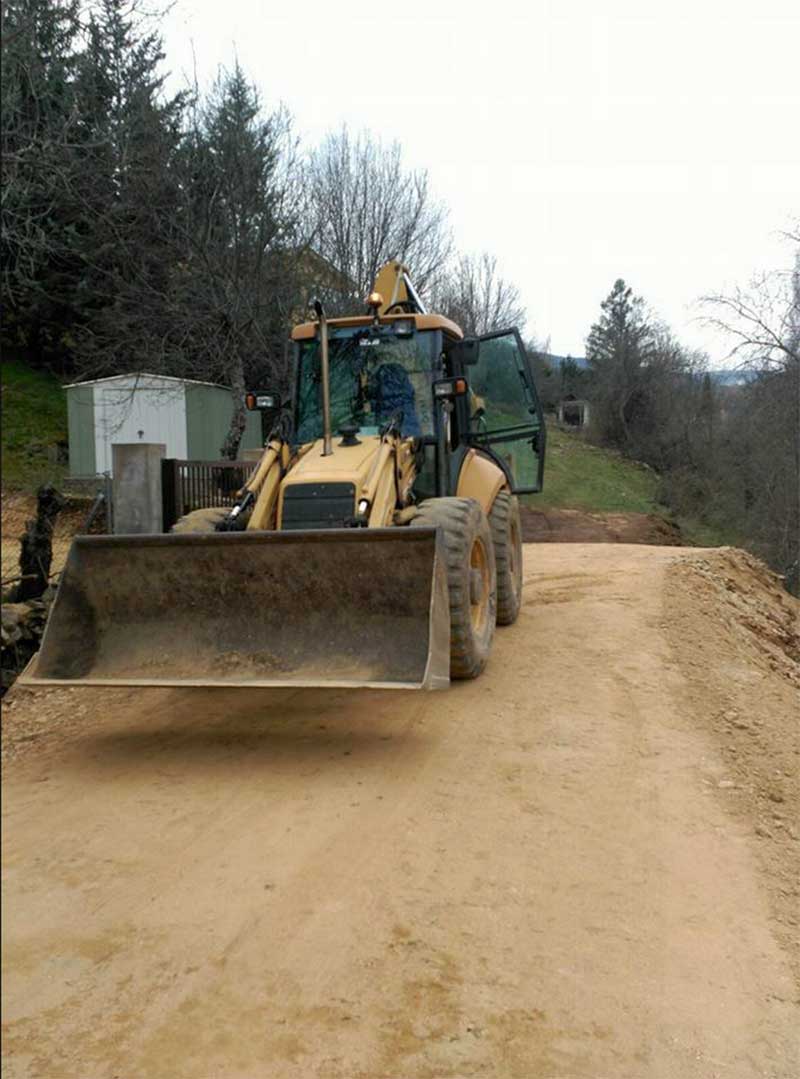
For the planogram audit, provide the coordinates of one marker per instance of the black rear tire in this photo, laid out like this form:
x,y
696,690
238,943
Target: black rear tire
x,y
204,520
504,521
471,579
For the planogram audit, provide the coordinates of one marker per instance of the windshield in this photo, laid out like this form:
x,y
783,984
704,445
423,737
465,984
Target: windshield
x,y
375,375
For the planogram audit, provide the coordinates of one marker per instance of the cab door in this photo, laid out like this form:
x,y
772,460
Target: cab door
x,y
506,421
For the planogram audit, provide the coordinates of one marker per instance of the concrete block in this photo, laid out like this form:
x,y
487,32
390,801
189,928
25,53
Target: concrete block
x,y
137,501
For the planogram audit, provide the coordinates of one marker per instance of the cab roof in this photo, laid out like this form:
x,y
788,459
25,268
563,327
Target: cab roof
x,y
308,330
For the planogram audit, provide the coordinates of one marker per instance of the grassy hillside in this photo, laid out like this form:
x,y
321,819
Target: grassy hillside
x,y
34,412
580,476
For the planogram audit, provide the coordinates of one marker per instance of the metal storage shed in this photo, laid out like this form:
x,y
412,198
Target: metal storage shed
x,y
191,418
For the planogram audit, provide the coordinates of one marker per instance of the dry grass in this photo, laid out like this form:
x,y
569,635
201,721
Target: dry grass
x,y
17,509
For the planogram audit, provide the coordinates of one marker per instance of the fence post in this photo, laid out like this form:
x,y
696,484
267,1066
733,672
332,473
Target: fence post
x,y
137,487
108,492
169,493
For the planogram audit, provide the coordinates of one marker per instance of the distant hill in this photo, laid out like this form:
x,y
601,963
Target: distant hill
x,y
724,376
730,376
552,360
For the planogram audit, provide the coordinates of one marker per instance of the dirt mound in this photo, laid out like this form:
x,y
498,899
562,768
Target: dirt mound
x,y
748,606
736,633
580,526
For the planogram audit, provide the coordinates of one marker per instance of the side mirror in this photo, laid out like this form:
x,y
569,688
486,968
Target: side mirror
x,y
262,402
269,405
465,352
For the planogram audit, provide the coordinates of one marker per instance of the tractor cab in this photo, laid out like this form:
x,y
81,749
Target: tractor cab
x,y
448,393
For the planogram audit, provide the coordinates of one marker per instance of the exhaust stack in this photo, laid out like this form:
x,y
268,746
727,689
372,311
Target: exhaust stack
x,y
327,433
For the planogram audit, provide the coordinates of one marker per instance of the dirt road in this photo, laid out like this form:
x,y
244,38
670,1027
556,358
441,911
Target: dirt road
x,y
581,865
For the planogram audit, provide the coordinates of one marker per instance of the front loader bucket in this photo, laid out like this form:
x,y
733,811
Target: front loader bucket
x,y
338,608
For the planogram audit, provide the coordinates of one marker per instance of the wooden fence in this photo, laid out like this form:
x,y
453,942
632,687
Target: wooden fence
x,y
194,485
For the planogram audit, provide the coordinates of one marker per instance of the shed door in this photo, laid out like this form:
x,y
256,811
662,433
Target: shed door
x,y
133,412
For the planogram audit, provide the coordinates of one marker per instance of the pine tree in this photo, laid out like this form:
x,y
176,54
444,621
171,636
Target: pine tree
x,y
238,219
618,348
40,54
129,191
89,185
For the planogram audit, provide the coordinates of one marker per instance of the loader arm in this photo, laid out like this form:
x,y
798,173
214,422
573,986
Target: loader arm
x,y
260,493
397,293
265,482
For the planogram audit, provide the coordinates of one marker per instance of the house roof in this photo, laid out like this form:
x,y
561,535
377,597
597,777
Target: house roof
x,y
345,281
146,374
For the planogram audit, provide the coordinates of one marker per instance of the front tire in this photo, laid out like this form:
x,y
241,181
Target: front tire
x,y
471,579
504,521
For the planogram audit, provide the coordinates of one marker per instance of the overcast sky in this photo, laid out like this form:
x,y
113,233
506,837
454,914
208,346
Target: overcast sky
x,y
579,142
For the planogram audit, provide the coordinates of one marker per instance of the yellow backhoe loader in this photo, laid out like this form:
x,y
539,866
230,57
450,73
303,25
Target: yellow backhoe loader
x,y
376,543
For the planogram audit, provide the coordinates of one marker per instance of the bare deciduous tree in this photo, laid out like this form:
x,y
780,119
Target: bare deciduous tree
x,y
761,321
475,295
366,208
757,479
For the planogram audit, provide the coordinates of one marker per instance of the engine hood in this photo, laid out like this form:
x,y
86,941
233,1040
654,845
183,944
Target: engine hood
x,y
347,464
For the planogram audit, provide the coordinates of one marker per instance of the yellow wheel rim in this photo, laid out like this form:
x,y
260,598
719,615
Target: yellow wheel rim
x,y
479,582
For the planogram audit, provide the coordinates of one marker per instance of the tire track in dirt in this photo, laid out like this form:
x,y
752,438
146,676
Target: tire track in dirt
x,y
526,875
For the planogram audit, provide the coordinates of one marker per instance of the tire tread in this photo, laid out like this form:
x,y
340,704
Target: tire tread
x,y
460,520
509,597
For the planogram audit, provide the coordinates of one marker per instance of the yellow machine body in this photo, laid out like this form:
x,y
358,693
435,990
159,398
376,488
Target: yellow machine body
x,y
277,603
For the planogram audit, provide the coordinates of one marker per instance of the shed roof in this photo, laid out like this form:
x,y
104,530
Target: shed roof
x,y
146,374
